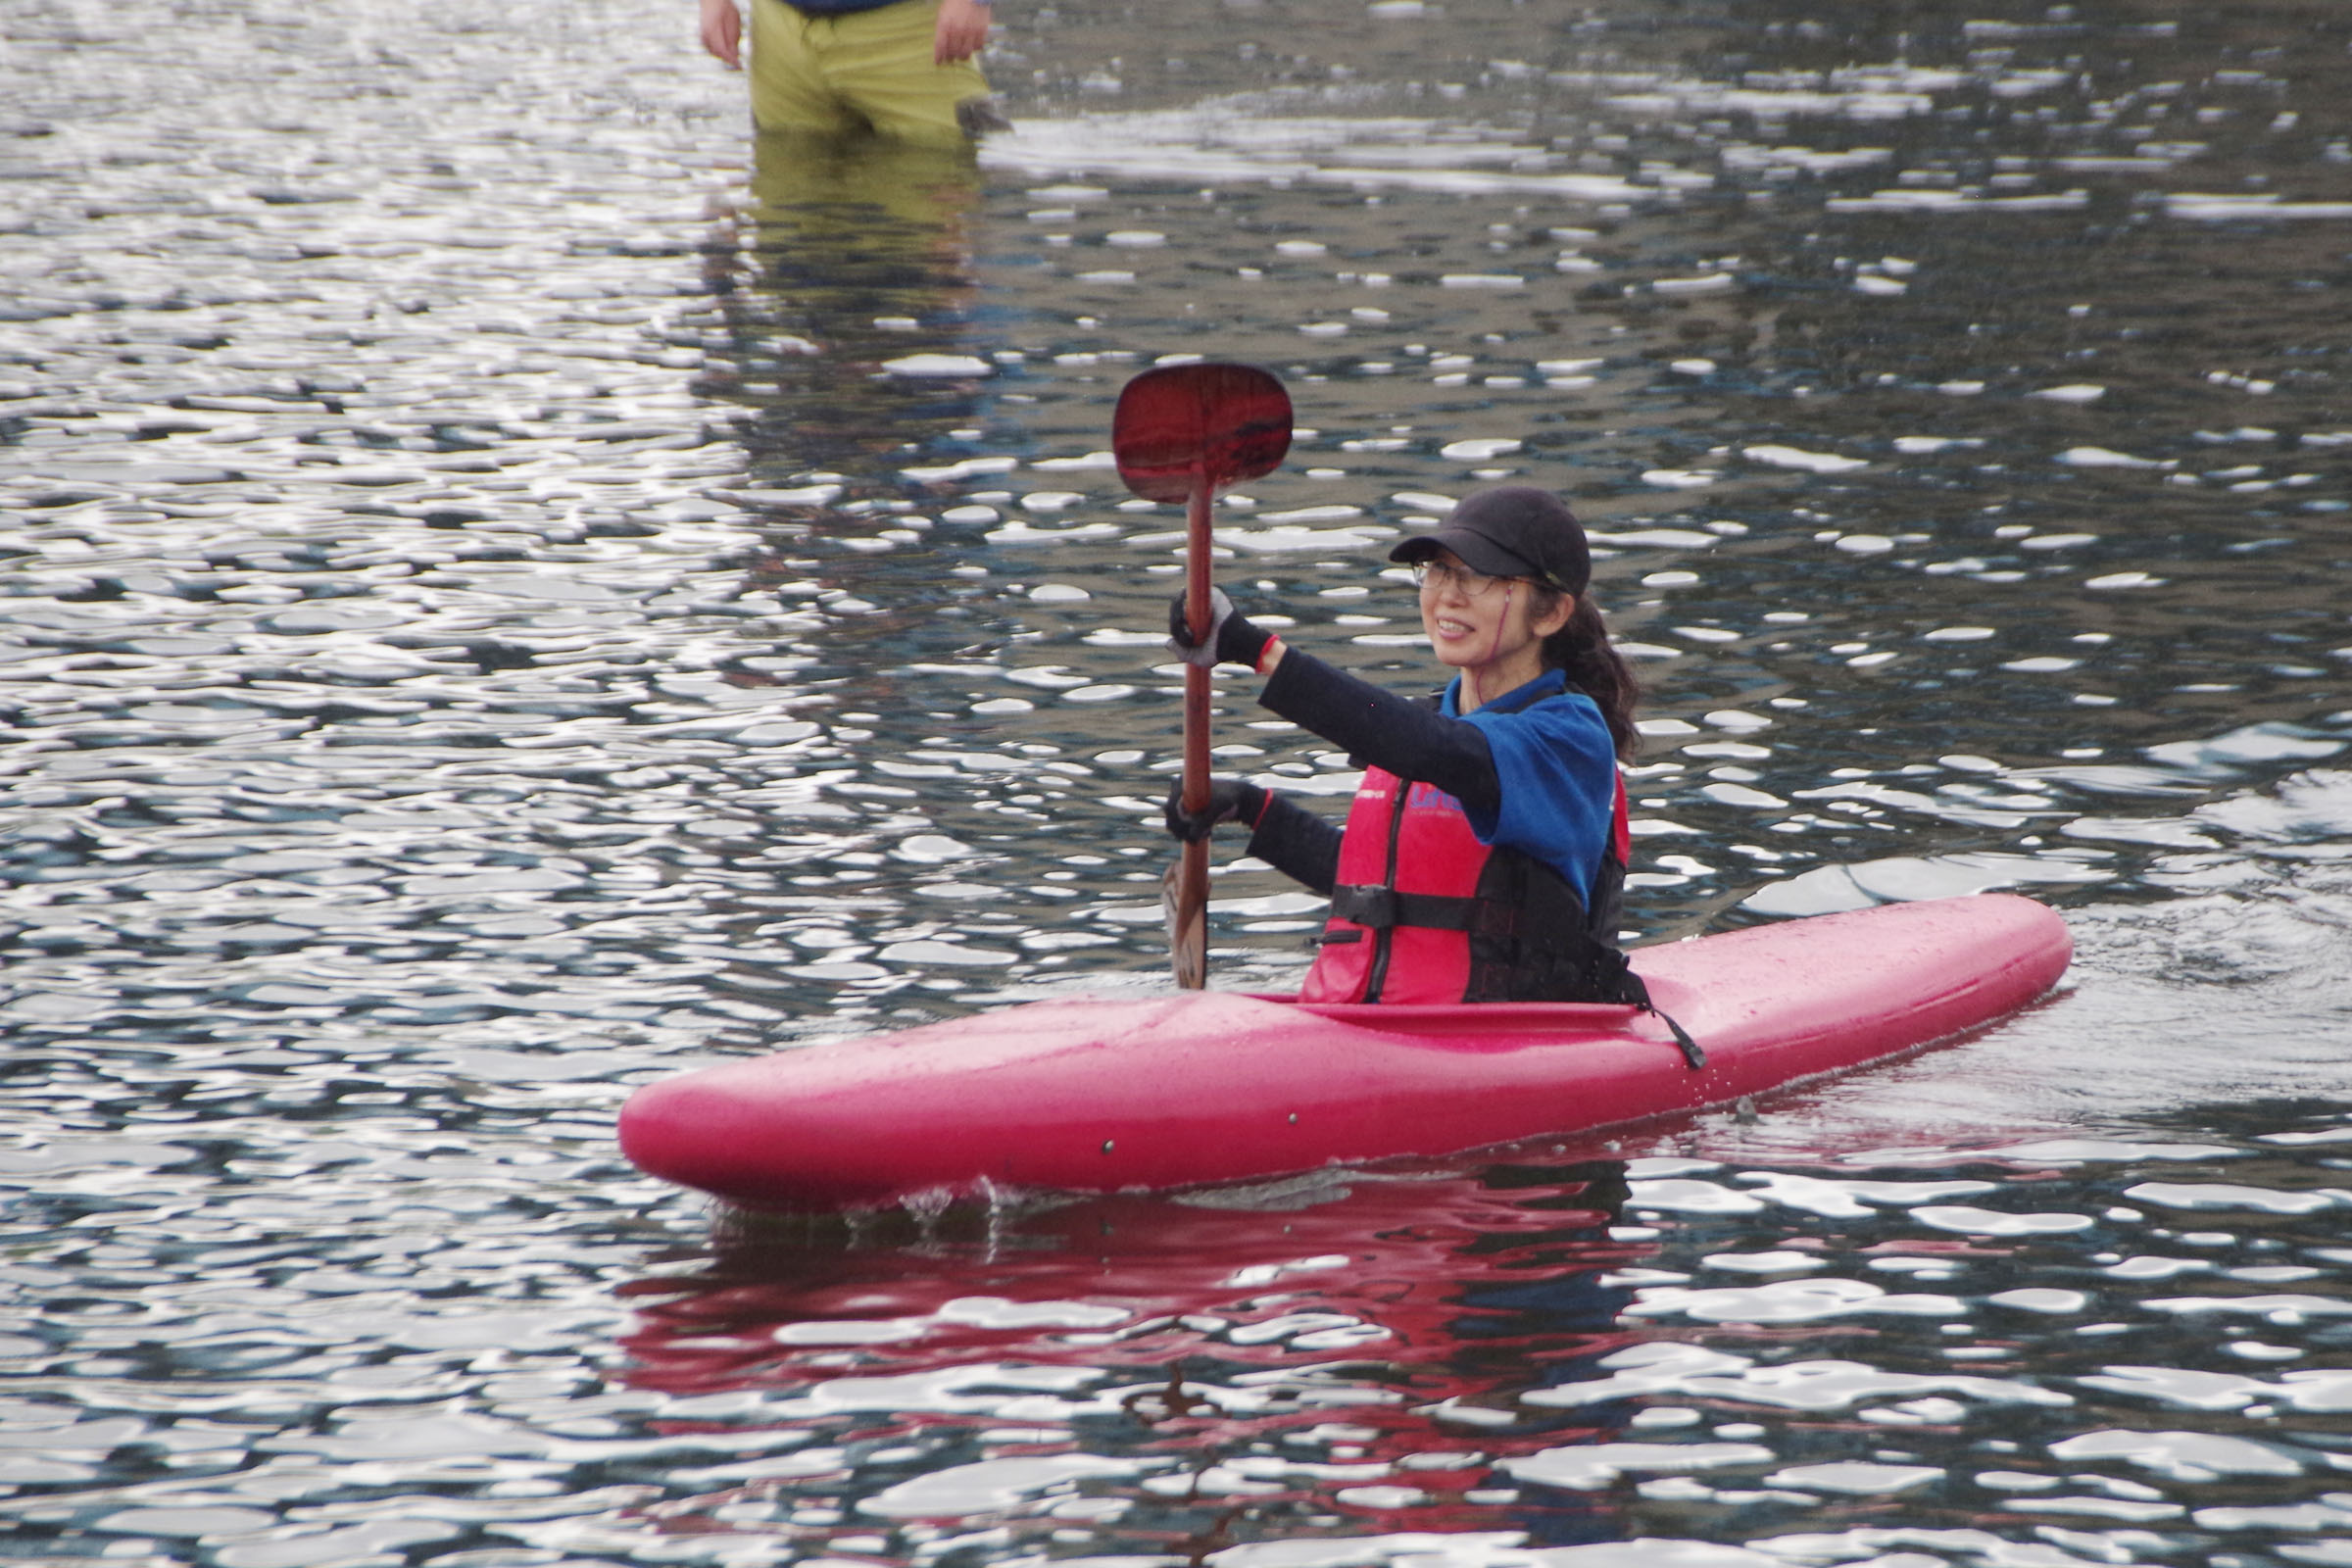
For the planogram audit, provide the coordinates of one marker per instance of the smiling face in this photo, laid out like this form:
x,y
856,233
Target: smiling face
x,y
1485,627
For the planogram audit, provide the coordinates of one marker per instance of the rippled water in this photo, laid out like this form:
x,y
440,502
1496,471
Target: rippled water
x,y
511,593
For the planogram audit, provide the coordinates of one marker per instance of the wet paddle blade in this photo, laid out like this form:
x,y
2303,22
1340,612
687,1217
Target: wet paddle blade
x,y
1187,923
1224,423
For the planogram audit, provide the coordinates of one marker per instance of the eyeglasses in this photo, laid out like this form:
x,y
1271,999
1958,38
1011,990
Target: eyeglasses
x,y
1439,576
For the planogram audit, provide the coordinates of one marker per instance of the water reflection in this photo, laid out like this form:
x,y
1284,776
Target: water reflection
x,y
458,661
1555,1352
847,291
1305,1352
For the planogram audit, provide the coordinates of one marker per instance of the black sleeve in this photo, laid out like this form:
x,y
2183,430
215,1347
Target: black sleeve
x,y
1392,732
1297,843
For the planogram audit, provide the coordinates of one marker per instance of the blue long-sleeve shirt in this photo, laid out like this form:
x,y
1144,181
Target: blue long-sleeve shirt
x,y
1535,770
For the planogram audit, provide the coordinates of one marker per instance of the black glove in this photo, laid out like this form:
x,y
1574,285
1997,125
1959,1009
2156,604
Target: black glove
x,y
1233,639
1230,799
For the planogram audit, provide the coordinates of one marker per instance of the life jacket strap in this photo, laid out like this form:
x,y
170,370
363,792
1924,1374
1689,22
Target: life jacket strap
x,y
1380,908
1594,968
1693,1058
1637,991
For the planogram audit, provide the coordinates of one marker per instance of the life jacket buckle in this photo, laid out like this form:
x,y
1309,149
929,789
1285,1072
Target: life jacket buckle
x,y
1366,905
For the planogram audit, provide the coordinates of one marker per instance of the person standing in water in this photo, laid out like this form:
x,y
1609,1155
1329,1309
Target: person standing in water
x,y
900,69
1484,857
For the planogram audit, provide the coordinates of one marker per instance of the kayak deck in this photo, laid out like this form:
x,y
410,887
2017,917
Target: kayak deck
x,y
1090,1095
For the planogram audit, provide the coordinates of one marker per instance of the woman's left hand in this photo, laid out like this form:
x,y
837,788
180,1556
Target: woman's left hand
x,y
1230,799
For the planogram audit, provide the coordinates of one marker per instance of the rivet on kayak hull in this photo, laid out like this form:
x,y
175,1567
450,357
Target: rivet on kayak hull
x,y
1294,1118
1106,1145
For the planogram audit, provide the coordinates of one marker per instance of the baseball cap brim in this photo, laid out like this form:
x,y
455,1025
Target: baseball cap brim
x,y
1473,549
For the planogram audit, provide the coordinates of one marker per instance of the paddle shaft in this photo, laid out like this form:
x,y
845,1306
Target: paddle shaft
x,y
1191,926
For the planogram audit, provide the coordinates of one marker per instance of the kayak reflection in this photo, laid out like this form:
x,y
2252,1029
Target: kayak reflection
x,y
1337,1345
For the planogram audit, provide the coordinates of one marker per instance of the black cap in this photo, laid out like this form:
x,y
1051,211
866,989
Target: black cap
x,y
1513,531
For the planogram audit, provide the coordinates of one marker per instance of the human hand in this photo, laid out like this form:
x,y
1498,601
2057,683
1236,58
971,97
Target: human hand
x,y
1232,638
1230,799
963,30
723,33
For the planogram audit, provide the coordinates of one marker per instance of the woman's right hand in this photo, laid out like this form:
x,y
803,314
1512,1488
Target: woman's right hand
x,y
1232,638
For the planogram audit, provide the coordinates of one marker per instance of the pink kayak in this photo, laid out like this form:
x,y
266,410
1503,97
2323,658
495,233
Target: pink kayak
x,y
1096,1096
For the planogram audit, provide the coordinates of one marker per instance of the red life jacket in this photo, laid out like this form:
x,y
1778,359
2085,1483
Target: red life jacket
x,y
1424,912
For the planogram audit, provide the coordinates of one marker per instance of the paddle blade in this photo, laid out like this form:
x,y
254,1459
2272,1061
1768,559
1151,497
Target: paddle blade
x,y
1225,423
1187,909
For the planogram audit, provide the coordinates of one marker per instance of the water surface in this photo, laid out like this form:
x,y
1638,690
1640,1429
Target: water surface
x,y
514,590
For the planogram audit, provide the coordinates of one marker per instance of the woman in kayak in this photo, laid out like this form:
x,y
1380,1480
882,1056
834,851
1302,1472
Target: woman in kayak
x,y
1484,857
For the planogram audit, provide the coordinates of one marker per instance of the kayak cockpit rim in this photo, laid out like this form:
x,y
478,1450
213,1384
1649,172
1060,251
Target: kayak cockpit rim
x,y
1534,1019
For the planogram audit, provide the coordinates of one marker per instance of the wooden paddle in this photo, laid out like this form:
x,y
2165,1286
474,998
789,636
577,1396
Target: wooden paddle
x,y
1184,432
